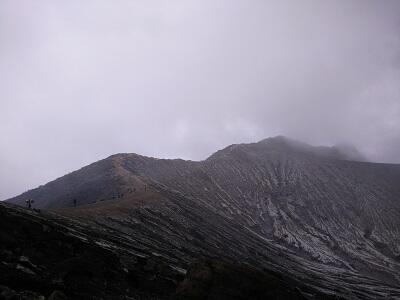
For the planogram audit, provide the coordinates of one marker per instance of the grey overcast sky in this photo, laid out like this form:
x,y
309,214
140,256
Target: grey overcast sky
x,y
81,80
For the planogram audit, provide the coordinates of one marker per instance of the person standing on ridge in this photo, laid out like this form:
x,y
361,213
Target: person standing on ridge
x,y
29,203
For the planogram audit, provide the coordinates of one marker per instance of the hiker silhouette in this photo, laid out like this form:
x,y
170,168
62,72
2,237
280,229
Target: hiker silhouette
x,y
29,203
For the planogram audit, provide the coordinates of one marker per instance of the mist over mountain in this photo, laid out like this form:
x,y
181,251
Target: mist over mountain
x,y
278,206
179,79
190,150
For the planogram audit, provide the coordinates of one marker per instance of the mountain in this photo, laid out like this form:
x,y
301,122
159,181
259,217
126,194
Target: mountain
x,y
119,174
321,218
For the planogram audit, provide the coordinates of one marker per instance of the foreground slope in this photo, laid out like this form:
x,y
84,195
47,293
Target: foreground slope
x,y
46,256
276,205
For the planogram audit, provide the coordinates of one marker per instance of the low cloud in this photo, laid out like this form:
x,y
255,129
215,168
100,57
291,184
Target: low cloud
x,y
83,80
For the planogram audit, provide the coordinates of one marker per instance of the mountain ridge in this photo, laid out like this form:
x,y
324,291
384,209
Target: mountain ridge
x,y
107,164
334,223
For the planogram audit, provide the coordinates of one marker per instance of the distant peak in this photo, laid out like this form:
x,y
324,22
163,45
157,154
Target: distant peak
x,y
350,152
277,138
340,151
281,140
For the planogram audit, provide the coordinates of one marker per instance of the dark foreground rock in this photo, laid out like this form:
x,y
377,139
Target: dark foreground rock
x,y
45,256
220,281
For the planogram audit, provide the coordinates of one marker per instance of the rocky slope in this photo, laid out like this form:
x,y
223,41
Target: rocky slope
x,y
277,206
46,256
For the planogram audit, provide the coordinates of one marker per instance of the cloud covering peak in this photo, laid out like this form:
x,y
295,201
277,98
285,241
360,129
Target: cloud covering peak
x,y
82,80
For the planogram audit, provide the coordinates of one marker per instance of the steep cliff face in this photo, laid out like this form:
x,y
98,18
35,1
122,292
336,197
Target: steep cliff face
x,y
277,205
